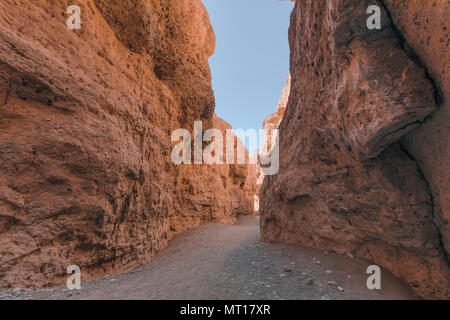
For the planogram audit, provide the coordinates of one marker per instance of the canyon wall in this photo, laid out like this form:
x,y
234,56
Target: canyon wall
x,y
364,139
86,117
270,123
424,28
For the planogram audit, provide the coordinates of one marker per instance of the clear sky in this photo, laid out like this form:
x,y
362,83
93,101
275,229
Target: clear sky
x,y
251,61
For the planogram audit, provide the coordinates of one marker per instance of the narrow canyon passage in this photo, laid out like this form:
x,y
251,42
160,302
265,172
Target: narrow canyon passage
x,y
111,162
217,261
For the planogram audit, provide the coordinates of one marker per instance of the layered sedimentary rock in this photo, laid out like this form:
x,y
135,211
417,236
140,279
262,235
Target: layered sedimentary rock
x,y
363,157
86,117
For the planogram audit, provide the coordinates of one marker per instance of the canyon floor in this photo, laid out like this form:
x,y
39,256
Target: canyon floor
x,y
217,261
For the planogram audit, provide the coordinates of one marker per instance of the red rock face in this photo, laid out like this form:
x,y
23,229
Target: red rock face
x,y
86,117
345,182
425,27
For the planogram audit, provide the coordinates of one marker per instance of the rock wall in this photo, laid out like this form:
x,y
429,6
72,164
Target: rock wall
x,y
270,123
86,117
363,157
424,27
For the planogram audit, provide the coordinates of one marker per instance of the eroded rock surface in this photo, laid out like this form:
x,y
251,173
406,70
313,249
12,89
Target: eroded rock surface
x,y
424,26
345,182
271,123
86,117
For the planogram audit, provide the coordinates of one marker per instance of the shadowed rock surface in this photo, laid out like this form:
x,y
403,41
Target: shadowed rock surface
x,y
354,176
424,27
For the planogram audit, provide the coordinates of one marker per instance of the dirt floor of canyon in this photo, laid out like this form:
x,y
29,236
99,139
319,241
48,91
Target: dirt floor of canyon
x,y
217,261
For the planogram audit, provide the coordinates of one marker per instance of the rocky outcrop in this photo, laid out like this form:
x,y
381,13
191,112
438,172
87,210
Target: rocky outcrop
x,y
86,117
362,148
424,27
272,122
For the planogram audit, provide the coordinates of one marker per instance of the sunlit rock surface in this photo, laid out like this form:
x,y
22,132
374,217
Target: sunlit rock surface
x,y
86,117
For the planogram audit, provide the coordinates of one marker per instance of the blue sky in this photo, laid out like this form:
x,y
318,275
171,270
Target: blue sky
x,y
251,61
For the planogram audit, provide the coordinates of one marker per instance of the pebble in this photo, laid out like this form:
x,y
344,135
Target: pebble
x,y
350,255
287,269
318,262
328,271
340,289
282,275
332,283
309,281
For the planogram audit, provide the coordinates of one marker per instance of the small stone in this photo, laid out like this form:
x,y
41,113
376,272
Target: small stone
x,y
332,283
282,275
325,252
287,269
328,271
340,289
350,255
318,262
309,281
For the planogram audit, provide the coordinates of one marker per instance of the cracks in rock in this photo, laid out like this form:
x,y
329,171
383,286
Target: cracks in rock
x,y
8,90
409,51
433,206
383,146
438,96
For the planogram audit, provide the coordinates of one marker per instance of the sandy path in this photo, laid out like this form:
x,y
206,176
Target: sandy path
x,y
228,262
